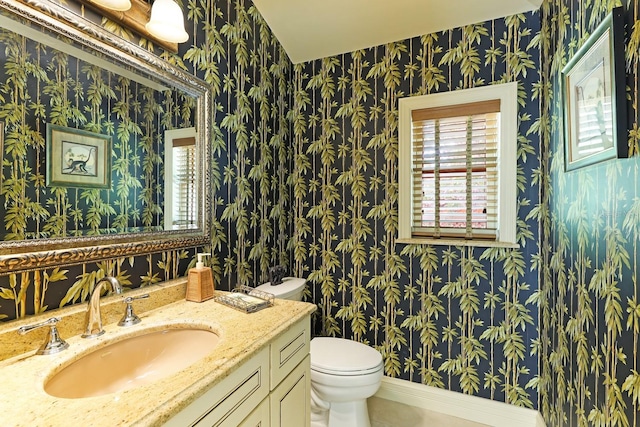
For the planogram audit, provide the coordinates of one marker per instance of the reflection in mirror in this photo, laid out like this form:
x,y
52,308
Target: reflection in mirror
x,y
84,97
180,180
56,75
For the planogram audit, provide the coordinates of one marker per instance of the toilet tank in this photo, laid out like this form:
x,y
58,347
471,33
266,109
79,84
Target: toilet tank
x,y
291,288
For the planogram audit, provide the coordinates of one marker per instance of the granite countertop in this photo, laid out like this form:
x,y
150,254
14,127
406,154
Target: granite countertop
x,y
22,374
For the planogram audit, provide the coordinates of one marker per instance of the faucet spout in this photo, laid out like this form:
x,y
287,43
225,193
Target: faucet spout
x,y
93,318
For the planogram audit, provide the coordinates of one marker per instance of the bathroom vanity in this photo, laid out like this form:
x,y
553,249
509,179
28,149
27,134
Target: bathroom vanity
x,y
274,385
257,374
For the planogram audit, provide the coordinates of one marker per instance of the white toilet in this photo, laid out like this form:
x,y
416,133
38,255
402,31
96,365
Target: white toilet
x,y
291,288
344,373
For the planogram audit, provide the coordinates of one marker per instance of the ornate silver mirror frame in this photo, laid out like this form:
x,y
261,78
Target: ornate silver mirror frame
x,y
16,256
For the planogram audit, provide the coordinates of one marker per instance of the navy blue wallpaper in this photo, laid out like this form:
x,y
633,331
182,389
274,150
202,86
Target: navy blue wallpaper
x,y
590,319
461,318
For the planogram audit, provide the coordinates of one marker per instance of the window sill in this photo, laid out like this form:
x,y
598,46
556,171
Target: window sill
x,y
457,242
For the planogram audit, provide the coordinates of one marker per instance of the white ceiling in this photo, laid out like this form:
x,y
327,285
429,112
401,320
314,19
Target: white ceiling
x,y
312,29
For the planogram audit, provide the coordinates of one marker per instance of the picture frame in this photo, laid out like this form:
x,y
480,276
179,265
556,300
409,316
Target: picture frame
x,y
77,158
594,104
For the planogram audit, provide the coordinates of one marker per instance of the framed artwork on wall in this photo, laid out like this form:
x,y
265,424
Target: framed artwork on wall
x,y
77,158
593,89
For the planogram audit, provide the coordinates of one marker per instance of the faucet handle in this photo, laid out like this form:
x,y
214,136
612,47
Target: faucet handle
x,y
53,344
130,318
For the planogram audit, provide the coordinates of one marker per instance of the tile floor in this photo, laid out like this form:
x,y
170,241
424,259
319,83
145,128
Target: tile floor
x,y
386,413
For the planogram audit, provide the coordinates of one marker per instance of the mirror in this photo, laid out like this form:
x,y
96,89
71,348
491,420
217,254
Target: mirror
x,y
73,94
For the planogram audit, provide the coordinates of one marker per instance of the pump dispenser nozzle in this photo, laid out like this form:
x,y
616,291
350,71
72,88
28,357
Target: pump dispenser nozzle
x,y
200,262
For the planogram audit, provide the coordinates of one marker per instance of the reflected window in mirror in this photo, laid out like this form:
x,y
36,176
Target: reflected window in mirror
x,y
181,186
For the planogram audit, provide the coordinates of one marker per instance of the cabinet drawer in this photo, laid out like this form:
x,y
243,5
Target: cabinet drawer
x,y
288,350
228,402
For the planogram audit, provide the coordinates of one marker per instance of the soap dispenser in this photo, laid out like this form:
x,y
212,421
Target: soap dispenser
x,y
200,281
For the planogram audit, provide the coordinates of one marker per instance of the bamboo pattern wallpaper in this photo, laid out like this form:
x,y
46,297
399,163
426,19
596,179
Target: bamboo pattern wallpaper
x,y
305,175
590,320
233,50
461,318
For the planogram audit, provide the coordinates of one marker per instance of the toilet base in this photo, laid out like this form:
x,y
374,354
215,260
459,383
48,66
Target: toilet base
x,y
341,414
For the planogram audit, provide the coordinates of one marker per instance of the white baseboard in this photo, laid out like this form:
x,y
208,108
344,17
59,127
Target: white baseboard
x,y
471,408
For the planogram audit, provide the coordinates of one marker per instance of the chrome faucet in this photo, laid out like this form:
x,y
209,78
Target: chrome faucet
x,y
93,317
53,343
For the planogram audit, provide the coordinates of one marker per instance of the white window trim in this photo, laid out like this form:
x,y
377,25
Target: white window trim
x,y
169,136
507,215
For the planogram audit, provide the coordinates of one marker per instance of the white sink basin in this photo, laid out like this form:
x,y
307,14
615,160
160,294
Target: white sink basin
x,y
132,362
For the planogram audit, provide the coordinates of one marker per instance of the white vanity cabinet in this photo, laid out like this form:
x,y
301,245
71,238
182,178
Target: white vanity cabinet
x,y
270,389
227,403
290,397
290,402
259,417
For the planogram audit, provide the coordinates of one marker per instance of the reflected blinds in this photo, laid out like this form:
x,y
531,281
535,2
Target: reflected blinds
x,y
595,127
455,174
185,203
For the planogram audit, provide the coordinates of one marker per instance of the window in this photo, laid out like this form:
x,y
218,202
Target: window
x,y
181,201
457,172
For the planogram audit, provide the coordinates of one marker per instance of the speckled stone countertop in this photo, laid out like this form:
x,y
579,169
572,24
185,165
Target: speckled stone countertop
x,y
23,374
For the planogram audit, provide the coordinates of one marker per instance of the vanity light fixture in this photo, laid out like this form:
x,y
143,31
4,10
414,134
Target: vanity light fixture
x,y
161,23
120,5
167,21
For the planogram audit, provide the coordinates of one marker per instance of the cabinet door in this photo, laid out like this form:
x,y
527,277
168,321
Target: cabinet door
x,y
290,402
259,417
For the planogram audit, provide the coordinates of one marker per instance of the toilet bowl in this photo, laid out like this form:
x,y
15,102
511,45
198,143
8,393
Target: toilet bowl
x,y
344,373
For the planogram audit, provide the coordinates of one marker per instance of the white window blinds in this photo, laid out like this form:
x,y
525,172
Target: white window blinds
x,y
455,170
185,202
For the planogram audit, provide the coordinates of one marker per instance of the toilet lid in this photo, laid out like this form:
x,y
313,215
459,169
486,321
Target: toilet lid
x,y
342,356
289,286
